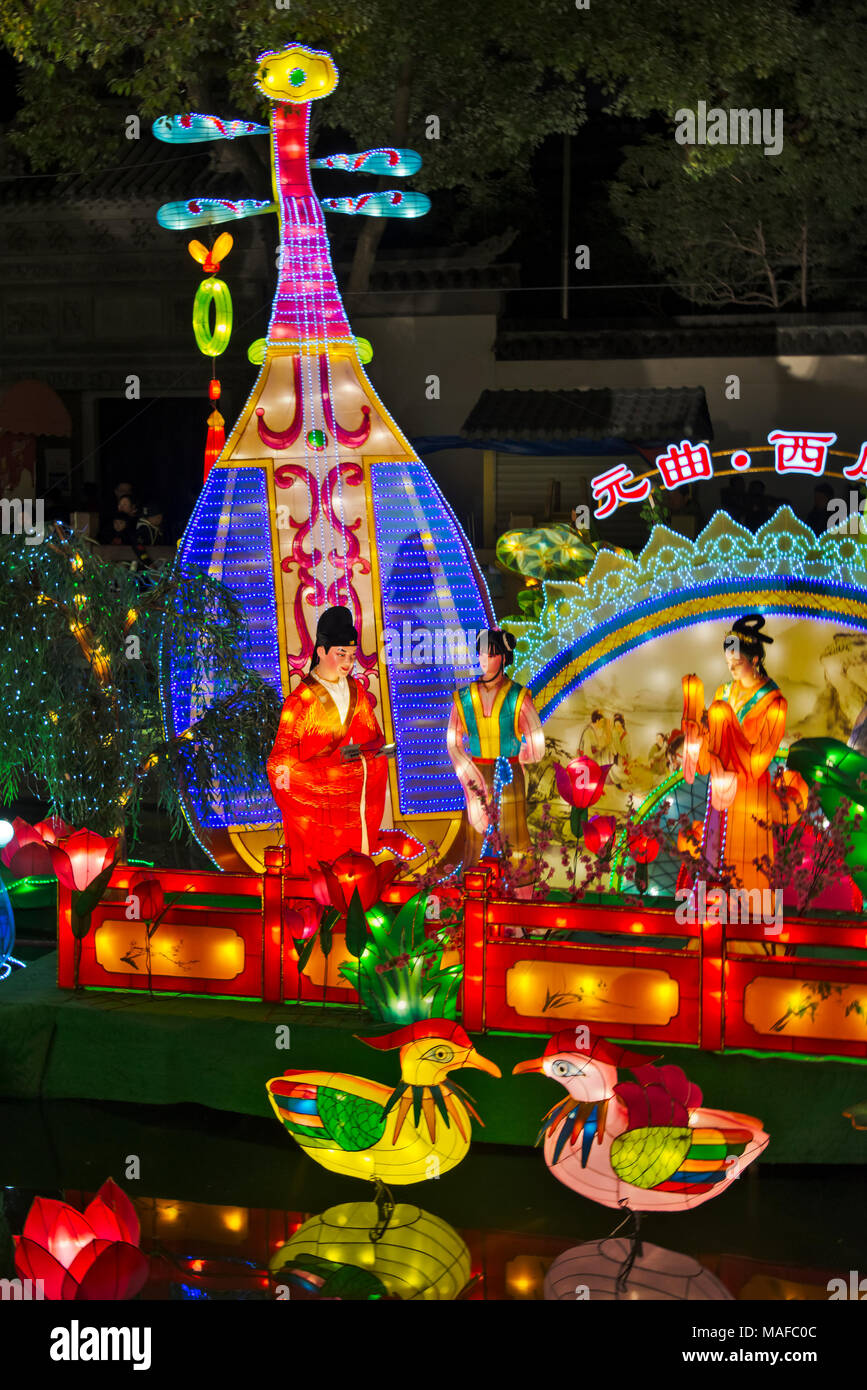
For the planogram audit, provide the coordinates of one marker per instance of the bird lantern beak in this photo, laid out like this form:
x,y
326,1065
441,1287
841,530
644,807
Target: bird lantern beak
x,y
480,1063
532,1064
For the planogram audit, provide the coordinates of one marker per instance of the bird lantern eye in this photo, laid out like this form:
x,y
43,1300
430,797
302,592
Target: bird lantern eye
x,y
561,1068
439,1054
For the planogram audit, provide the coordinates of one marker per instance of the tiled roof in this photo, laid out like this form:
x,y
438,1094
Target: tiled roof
x,y
714,337
646,416
142,170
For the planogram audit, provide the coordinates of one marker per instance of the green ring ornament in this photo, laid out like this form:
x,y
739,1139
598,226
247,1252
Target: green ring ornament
x,y
216,292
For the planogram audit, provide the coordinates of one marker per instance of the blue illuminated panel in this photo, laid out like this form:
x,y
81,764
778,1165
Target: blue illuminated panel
x,y
430,584
229,537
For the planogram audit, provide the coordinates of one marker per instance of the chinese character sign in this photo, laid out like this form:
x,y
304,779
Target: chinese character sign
x,y
857,471
795,451
618,485
691,463
800,453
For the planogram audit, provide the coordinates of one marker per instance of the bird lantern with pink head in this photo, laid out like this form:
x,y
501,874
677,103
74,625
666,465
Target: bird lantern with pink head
x,y
416,1130
644,1145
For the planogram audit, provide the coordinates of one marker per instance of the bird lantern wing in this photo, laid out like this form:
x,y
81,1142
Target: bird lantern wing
x,y
672,1144
325,1116
670,1158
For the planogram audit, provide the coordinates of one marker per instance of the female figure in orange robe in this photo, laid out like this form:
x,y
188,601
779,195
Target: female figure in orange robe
x,y
324,768
736,741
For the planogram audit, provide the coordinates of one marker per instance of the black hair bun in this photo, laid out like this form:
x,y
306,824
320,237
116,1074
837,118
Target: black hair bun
x,y
750,627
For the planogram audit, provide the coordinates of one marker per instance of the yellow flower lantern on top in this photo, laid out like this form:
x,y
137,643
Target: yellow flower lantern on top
x,y
212,291
212,341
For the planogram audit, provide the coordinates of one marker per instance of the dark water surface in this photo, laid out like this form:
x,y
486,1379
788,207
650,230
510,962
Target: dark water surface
x,y
218,1195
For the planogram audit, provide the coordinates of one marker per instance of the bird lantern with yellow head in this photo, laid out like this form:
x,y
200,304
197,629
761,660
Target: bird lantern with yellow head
x,y
416,1130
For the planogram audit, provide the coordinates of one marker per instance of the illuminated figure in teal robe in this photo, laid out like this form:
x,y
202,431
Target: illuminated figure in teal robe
x,y
493,731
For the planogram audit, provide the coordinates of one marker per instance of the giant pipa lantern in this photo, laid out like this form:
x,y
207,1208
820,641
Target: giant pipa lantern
x,y
317,499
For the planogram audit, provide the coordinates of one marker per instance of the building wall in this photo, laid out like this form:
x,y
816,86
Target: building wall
x,y
795,392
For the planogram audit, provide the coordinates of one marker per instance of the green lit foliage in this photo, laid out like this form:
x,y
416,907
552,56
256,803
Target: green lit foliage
x,y
731,225
500,78
399,975
79,684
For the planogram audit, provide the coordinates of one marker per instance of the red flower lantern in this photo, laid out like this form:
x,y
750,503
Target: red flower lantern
x,y
300,919
335,883
151,899
581,783
599,833
94,1256
644,848
82,858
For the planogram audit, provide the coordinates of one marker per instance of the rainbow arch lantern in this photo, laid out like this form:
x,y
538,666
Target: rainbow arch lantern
x,y
317,498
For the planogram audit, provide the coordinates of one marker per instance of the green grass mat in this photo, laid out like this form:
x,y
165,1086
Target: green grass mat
x,y
219,1053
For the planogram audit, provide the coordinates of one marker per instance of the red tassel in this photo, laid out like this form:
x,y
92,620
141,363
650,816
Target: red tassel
x,y
216,440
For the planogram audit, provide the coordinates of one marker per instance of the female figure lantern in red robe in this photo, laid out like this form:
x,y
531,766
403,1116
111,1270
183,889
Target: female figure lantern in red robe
x,y
324,770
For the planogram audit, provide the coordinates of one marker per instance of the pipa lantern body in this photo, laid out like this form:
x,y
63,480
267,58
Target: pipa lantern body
x,y
317,499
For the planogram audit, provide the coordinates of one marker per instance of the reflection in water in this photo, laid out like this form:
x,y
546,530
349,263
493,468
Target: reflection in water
x,y
213,1251
416,1256
226,1213
622,1269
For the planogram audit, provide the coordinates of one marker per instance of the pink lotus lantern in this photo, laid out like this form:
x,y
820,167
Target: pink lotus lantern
x,y
26,854
94,1256
300,918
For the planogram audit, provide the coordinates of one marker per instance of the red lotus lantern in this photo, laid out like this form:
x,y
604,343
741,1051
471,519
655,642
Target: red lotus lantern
x,y
83,1257
82,858
26,854
53,830
599,832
